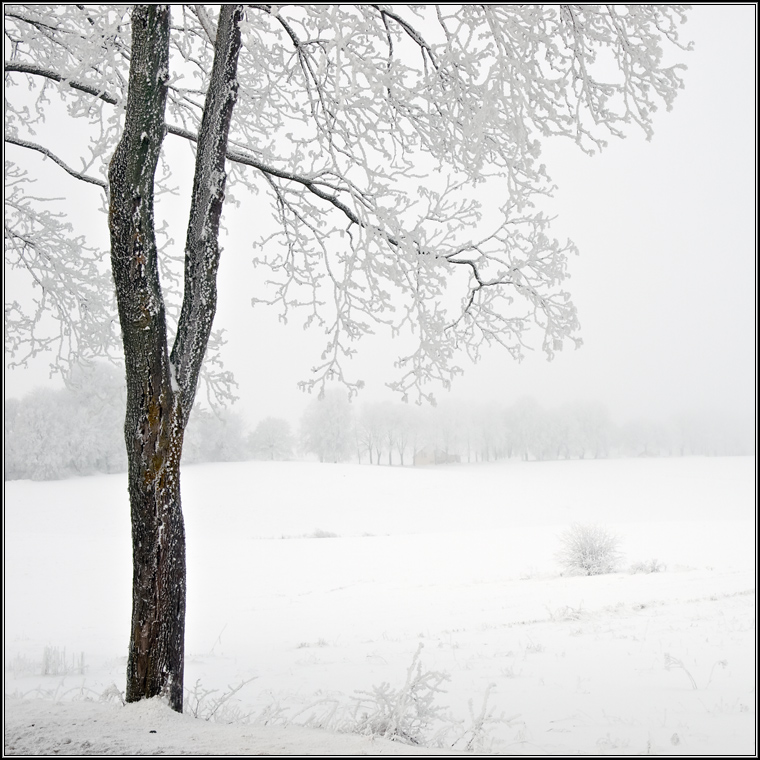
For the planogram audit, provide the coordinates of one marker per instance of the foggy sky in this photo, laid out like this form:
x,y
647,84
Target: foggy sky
x,y
664,284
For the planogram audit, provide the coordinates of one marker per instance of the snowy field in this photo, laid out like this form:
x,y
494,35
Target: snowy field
x,y
316,584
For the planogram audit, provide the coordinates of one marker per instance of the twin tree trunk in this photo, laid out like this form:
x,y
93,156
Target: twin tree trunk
x,y
161,387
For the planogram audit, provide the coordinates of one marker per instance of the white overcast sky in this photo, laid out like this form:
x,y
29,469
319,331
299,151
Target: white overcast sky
x,y
664,284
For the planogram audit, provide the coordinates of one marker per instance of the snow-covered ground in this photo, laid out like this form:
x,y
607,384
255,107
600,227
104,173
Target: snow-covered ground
x,y
316,584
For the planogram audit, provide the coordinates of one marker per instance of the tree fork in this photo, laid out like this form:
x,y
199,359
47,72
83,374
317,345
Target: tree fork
x,y
160,389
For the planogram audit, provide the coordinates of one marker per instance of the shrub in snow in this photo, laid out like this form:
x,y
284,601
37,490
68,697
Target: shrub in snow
x,y
319,533
588,550
653,566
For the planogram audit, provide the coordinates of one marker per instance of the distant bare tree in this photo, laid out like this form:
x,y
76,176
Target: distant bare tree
x,y
272,439
327,427
370,431
403,426
215,435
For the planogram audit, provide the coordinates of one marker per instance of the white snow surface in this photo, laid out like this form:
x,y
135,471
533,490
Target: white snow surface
x,y
459,559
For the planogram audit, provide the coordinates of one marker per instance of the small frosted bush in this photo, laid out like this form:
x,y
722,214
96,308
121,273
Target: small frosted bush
x,y
653,566
588,550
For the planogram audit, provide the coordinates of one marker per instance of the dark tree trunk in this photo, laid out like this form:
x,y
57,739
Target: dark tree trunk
x,y
160,389
152,433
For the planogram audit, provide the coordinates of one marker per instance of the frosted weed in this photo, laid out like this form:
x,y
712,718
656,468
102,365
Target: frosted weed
x,y
409,714
201,703
673,662
55,662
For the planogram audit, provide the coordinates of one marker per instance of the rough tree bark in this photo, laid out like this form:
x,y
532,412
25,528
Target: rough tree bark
x,y
160,388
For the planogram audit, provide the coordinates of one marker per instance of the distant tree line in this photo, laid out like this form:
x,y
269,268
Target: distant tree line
x,y
392,433
52,434
79,430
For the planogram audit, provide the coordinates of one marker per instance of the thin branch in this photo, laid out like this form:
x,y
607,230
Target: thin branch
x,y
205,22
418,39
26,68
248,160
49,154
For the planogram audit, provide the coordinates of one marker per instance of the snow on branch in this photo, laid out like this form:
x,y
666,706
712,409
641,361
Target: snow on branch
x,y
25,68
69,283
396,148
49,154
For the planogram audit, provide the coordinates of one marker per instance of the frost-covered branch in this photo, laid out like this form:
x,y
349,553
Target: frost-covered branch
x,y
49,154
69,283
397,149
25,68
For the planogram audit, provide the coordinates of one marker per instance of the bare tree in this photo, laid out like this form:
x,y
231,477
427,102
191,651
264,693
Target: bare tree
x,y
271,439
403,424
369,431
327,427
367,132
214,435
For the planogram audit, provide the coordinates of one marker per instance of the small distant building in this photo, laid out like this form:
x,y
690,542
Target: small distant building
x,y
431,455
